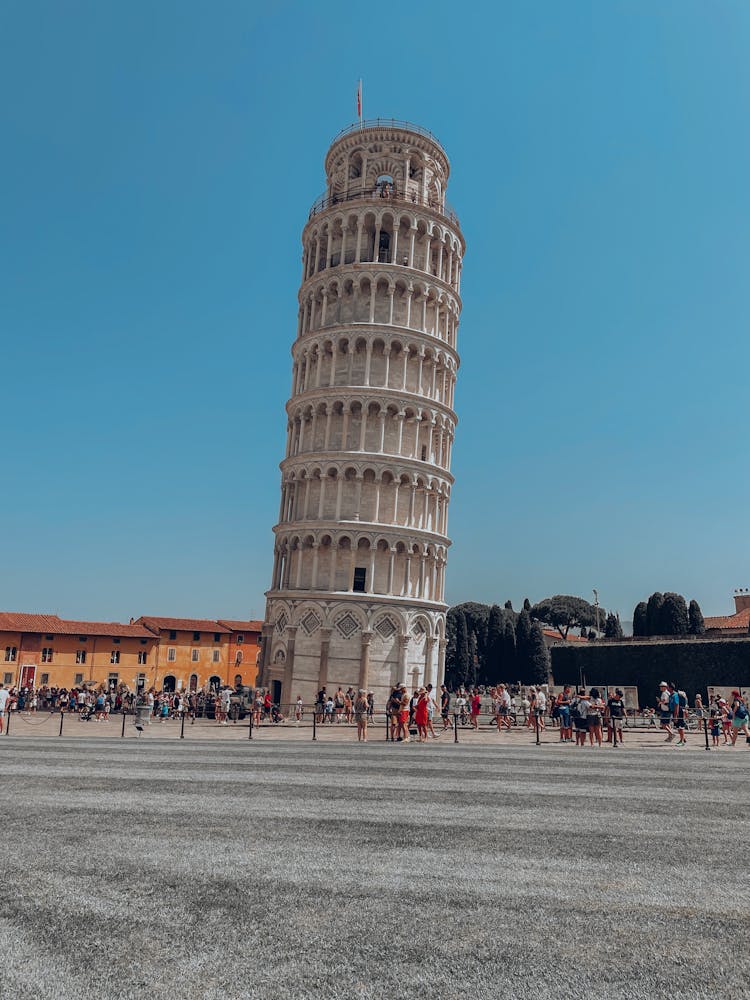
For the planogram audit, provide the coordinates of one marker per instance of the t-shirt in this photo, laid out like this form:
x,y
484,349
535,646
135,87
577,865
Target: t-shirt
x,y
616,707
541,701
4,699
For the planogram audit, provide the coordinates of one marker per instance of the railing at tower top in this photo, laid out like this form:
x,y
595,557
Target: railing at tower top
x,y
387,123
384,193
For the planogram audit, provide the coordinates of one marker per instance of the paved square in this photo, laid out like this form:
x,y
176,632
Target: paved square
x,y
168,870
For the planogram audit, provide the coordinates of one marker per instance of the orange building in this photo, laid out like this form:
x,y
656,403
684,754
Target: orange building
x,y
169,653
203,652
45,650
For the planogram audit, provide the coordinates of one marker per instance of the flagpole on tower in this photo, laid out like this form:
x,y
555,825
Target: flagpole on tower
x,y
359,103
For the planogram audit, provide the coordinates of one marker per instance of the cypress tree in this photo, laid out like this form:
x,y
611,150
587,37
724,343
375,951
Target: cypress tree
x,y
653,621
462,650
526,604
673,615
494,648
695,617
508,663
612,627
639,619
539,658
509,605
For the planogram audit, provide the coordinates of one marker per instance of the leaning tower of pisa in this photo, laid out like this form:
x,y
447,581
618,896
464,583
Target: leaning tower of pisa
x,y
357,594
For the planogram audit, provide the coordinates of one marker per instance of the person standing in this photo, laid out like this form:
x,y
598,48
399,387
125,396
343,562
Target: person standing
x,y
298,710
445,706
615,714
431,707
4,699
665,711
681,714
421,714
540,706
361,716
739,718
475,709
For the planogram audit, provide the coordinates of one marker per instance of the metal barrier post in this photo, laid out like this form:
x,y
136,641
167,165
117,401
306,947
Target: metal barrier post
x,y
705,730
536,725
62,719
123,723
7,722
455,727
315,730
182,726
250,730
614,732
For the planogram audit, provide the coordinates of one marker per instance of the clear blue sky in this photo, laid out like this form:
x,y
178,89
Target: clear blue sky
x,y
159,160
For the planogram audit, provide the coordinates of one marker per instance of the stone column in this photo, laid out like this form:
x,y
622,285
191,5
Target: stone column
x,y
429,669
441,663
265,653
364,661
286,688
403,649
325,645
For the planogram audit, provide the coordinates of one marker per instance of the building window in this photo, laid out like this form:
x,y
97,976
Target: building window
x,y
360,576
217,636
47,654
196,637
44,679
140,682
216,656
7,678
114,656
171,654
172,634
143,642
142,656
78,680
10,654
50,638
80,658
115,642
113,680
82,638
194,654
240,639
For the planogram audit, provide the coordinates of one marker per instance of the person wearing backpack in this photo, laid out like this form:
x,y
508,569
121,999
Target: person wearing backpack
x,y
579,710
681,712
740,718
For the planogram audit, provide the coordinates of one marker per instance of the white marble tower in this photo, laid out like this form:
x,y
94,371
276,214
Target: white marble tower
x,y
357,595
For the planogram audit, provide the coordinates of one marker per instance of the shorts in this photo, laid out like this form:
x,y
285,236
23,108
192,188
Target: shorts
x,y
680,723
502,710
593,721
582,725
664,719
403,717
738,723
564,718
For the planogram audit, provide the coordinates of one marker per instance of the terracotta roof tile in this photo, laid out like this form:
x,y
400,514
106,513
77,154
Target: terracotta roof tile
x,y
739,620
182,624
554,634
237,626
11,621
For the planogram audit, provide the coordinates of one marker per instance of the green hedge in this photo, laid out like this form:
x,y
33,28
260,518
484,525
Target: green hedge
x,y
693,665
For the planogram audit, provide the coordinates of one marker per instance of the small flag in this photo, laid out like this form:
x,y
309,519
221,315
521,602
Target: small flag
x,y
359,101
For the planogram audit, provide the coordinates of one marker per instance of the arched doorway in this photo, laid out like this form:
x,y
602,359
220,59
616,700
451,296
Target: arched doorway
x,y
214,681
193,683
169,684
238,680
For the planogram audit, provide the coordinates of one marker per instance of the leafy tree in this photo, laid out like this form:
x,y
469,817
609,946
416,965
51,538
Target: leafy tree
x,y
639,619
539,659
673,615
564,612
695,617
653,611
612,627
